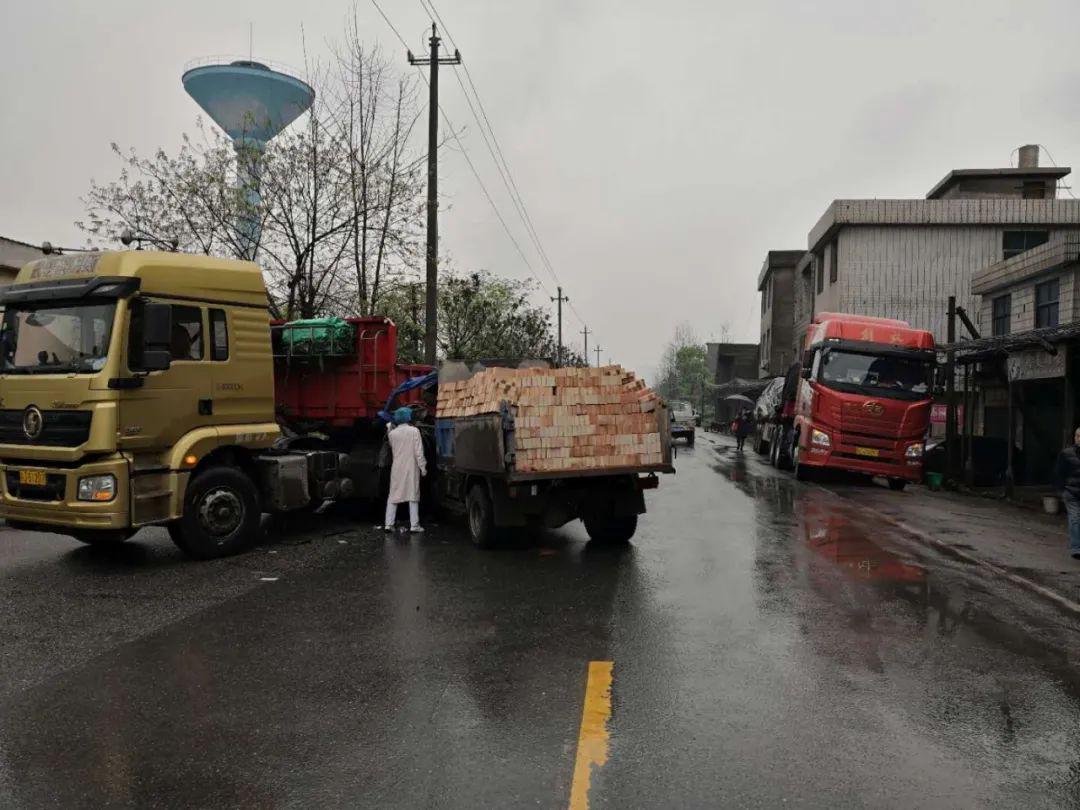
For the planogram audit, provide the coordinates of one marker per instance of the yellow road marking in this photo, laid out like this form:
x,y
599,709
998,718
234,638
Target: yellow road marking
x,y
592,747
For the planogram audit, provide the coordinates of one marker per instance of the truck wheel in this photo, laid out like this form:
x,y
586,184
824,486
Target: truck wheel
x,y
897,484
611,530
802,472
783,453
221,515
481,517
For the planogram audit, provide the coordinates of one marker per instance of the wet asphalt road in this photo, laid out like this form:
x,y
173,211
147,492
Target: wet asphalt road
x,y
771,644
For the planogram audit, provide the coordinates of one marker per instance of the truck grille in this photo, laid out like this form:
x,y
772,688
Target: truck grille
x,y
59,428
52,491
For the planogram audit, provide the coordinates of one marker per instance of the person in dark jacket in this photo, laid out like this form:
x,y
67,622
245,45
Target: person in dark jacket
x,y
744,426
1067,478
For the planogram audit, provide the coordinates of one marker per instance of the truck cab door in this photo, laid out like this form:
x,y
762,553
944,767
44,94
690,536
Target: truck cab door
x,y
173,402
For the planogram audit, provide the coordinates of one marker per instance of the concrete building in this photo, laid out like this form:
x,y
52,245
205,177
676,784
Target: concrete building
x,y
733,368
776,284
904,258
1022,379
13,255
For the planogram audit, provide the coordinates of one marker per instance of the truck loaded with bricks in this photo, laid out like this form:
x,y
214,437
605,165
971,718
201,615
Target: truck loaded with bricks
x,y
140,388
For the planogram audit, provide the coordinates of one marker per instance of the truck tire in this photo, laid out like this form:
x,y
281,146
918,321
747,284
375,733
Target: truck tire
x,y
897,484
221,514
611,530
802,472
481,516
783,452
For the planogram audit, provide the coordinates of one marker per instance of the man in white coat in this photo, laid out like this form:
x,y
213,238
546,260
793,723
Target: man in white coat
x,y
408,467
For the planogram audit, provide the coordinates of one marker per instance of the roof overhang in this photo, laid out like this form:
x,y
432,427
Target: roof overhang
x,y
778,260
987,213
1026,173
1043,259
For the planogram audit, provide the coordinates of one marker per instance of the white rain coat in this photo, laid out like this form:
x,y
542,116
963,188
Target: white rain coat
x,y
409,464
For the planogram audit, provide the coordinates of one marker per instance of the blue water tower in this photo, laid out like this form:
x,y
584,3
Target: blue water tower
x,y
252,103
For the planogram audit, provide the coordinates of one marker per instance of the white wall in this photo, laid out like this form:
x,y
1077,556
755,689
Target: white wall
x,y
909,272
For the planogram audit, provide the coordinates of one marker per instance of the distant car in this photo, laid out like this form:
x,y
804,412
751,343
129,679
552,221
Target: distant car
x,y
683,421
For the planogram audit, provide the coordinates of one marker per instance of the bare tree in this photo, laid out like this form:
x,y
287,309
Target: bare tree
x,y
340,193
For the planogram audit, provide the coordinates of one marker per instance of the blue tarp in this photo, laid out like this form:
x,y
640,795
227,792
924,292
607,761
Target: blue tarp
x,y
428,380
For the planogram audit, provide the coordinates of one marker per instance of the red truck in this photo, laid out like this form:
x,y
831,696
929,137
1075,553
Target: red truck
x,y
862,402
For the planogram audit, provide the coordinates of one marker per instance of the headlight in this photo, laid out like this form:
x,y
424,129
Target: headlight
x,y
97,488
914,450
819,438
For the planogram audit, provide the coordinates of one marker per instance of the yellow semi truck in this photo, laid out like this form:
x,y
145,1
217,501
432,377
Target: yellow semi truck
x,y
136,388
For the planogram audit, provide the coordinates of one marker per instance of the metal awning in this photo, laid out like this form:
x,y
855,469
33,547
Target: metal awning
x,y
1047,339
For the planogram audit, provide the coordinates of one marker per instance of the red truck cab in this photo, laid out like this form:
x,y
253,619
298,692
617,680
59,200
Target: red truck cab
x,y
864,399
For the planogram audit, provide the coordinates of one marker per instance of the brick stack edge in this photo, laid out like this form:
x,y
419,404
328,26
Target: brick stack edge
x,y
565,418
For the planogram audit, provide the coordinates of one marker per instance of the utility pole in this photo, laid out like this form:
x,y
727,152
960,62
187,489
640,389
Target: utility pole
x,y
431,310
598,356
560,298
585,332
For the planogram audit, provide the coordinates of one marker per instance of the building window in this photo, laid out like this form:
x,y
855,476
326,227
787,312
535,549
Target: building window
x,y
1034,190
834,261
820,266
1002,315
1046,304
1016,242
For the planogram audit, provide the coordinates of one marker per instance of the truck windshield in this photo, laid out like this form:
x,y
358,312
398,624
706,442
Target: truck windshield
x,y
878,375
55,338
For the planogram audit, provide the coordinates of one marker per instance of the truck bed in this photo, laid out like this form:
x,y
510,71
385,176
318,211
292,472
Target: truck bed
x,y
485,444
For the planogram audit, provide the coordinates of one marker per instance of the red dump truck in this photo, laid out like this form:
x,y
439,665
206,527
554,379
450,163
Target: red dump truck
x,y
862,401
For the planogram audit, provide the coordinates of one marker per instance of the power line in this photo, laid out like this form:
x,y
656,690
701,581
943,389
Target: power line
x,y
468,161
497,155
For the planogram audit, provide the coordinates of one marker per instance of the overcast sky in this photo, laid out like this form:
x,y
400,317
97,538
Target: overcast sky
x,y
662,147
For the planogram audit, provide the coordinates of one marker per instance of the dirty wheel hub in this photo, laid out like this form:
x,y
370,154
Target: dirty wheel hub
x,y
221,512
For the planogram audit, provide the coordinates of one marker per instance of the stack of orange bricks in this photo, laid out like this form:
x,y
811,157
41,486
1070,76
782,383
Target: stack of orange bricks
x,y
565,418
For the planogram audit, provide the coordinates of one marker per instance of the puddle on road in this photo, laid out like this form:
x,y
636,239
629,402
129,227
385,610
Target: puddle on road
x,y
878,579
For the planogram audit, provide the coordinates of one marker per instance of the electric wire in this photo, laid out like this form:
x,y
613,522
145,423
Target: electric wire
x,y
497,154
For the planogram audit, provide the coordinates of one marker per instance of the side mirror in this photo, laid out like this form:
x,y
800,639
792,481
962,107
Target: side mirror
x,y
157,335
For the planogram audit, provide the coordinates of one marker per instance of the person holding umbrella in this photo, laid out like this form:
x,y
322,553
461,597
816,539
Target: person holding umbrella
x,y
743,427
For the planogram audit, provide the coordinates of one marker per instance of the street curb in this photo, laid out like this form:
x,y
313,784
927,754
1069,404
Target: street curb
x,y
1062,602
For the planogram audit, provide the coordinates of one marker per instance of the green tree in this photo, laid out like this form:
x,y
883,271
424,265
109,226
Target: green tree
x,y
682,366
481,315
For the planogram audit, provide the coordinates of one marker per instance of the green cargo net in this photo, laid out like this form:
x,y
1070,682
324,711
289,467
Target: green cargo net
x,y
318,337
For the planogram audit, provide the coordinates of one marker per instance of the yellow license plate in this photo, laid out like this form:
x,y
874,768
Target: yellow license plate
x,y
871,452
32,478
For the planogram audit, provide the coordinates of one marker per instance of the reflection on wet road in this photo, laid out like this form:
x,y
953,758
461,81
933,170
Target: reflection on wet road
x,y
771,643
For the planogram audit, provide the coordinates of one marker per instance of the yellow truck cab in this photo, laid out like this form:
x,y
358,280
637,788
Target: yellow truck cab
x,y
136,388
